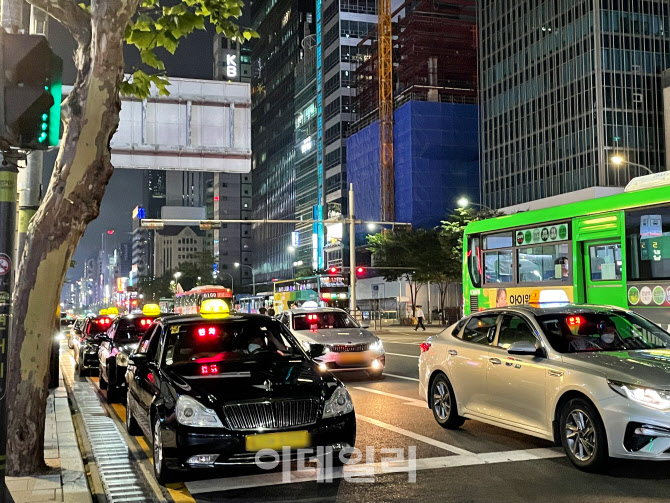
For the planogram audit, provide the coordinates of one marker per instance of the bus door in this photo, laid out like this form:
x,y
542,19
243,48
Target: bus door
x,y
600,246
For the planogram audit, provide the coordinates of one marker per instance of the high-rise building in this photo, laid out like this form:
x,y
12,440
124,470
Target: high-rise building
x,y
281,24
153,181
564,86
232,60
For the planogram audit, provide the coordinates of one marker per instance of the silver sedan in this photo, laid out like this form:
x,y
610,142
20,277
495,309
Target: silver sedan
x,y
594,379
335,339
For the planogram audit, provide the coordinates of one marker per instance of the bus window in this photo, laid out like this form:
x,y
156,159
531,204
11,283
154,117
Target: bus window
x,y
544,263
474,261
605,262
498,266
648,244
500,240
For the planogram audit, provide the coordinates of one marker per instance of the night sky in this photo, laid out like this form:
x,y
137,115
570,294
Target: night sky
x,y
193,59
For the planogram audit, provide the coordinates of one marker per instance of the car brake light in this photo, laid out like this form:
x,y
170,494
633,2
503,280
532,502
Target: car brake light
x,y
425,346
209,369
574,321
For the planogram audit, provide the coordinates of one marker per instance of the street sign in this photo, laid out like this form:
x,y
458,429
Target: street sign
x,y
206,225
149,223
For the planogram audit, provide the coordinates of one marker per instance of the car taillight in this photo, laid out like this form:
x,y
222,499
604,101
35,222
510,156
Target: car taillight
x,y
425,346
209,369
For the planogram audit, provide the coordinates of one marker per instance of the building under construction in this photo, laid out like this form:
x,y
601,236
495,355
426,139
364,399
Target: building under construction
x,y
434,145
434,57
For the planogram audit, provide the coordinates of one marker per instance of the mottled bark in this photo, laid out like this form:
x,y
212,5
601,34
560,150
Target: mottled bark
x,y
78,182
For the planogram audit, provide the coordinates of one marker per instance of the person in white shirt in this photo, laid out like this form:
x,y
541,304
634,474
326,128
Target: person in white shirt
x,y
419,318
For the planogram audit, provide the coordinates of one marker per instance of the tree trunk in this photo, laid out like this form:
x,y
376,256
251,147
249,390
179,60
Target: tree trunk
x,y
78,182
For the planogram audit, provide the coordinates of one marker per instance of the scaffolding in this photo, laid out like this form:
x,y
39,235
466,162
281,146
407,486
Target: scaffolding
x,y
434,57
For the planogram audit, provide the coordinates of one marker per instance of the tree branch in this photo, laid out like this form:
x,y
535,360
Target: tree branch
x,y
73,18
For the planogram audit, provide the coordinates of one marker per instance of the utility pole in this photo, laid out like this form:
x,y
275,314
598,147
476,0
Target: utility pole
x,y
30,178
352,252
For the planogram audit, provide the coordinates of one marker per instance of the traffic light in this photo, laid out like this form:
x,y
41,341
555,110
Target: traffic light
x,y
333,270
32,92
360,270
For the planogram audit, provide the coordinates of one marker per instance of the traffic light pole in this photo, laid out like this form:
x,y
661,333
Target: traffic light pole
x,y
8,173
352,252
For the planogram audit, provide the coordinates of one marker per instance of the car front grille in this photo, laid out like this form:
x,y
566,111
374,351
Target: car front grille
x,y
271,415
348,348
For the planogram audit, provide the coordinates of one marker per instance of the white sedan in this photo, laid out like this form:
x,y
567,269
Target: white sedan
x,y
594,379
335,339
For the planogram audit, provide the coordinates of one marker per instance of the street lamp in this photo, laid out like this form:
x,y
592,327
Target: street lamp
x,y
253,276
177,275
290,249
618,160
464,202
371,226
232,281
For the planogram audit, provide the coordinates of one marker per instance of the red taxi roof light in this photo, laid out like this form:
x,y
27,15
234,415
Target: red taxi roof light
x,y
575,321
203,331
145,322
312,317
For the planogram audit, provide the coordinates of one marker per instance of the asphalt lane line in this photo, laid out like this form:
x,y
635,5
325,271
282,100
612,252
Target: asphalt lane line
x,y
417,344
408,401
400,354
415,436
381,468
401,377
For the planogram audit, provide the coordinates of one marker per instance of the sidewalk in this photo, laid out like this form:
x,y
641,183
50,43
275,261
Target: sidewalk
x,y
67,480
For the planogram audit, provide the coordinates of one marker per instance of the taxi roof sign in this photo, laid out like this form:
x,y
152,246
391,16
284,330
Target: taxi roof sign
x,y
549,298
213,308
151,310
103,312
112,310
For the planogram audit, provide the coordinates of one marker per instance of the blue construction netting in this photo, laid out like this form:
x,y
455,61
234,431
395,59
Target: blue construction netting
x,y
436,160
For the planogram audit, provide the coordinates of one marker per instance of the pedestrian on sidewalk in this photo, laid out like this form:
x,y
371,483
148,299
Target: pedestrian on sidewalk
x,y
419,319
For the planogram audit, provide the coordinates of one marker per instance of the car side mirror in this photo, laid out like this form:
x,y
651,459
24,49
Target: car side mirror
x,y
316,350
525,348
365,325
137,359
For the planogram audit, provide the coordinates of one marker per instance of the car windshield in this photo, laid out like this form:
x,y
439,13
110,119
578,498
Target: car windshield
x,y
605,331
131,329
216,341
316,321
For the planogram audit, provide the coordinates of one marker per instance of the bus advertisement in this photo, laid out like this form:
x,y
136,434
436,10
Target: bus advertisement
x,y
189,302
613,250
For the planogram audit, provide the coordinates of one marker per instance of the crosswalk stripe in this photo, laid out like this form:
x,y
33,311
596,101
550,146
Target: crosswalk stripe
x,y
408,401
401,377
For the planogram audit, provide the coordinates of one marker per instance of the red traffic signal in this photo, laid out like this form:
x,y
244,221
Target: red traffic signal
x,y
360,270
333,270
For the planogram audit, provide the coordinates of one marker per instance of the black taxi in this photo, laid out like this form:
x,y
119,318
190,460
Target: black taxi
x,y
213,389
120,340
87,341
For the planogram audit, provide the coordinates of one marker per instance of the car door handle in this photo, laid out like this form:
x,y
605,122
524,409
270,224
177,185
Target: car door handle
x,y
495,361
453,352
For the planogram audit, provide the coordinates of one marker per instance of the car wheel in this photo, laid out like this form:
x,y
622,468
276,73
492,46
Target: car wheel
x,y
161,472
69,343
583,435
132,425
102,381
443,403
82,371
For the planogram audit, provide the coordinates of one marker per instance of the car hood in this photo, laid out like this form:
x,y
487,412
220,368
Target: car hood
x,y
253,380
336,336
649,367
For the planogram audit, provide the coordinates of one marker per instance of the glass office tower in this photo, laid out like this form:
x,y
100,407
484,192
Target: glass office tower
x,y
565,85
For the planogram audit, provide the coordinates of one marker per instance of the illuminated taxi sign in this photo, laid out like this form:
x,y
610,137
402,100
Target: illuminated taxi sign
x,y
214,308
112,310
103,312
549,298
151,310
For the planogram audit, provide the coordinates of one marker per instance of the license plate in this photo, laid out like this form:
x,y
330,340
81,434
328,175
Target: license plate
x,y
277,441
352,358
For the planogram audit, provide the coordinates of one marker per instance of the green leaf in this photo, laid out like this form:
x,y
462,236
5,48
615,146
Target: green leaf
x,y
149,58
141,39
87,8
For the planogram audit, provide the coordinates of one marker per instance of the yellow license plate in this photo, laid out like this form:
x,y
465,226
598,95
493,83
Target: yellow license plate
x,y
352,358
277,441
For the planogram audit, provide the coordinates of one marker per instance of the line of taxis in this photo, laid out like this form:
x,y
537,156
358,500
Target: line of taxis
x,y
217,388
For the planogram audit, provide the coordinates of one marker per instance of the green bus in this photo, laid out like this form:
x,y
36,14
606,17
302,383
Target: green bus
x,y
613,250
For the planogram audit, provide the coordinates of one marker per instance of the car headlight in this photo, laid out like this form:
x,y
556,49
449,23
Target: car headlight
x,y
377,346
122,360
654,398
190,412
339,403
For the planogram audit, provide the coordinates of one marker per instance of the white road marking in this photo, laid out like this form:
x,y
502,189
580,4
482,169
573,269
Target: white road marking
x,y
408,401
401,377
310,475
415,436
417,344
400,354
